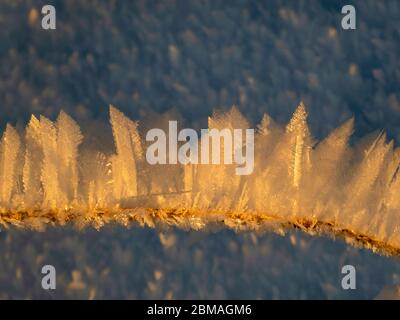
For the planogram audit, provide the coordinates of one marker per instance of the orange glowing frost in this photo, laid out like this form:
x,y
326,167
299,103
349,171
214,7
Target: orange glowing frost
x,y
325,187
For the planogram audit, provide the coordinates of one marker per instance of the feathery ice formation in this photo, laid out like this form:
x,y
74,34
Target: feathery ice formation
x,y
326,187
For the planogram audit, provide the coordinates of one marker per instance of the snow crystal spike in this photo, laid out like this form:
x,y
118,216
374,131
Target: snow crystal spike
x,y
128,147
10,144
298,119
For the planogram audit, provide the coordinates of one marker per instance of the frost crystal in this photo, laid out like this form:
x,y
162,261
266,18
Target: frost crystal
x,y
46,177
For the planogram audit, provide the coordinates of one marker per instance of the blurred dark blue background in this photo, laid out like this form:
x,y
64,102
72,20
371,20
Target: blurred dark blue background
x,y
194,56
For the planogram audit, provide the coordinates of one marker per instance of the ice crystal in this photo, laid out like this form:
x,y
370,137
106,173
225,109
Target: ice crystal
x,y
331,186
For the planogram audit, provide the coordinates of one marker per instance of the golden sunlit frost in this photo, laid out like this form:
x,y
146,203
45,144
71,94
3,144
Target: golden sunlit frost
x,y
329,187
